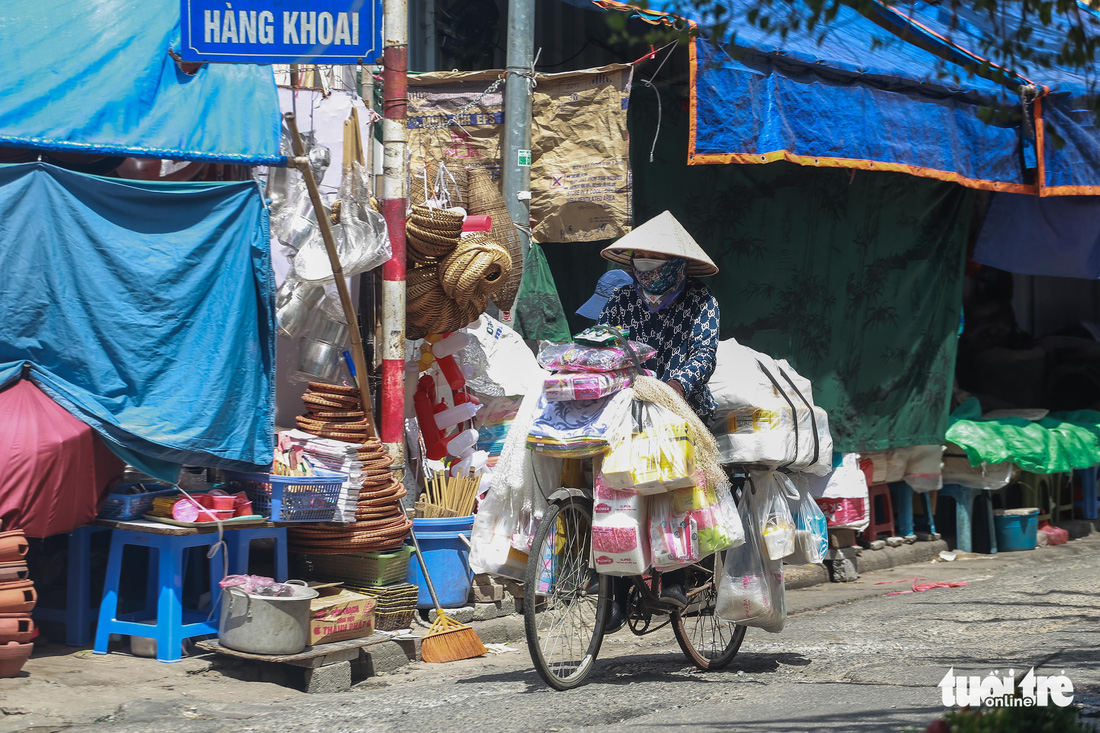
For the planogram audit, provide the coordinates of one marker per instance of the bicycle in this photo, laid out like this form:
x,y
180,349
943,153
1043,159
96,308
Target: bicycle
x,y
566,602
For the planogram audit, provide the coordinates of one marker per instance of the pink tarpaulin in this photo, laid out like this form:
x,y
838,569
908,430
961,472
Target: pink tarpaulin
x,y
54,469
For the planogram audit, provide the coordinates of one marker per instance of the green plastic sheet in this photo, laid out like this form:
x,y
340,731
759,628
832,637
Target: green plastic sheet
x,y
1059,443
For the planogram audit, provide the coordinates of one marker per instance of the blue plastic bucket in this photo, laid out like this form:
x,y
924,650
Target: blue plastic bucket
x,y
1016,531
448,559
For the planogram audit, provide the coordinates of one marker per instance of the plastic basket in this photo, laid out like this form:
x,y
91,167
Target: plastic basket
x,y
365,568
291,498
122,507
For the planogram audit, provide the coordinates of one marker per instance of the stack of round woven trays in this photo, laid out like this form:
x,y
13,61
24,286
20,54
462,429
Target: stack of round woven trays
x,y
333,411
455,275
380,521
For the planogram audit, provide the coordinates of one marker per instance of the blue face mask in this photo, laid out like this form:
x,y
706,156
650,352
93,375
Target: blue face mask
x,y
659,285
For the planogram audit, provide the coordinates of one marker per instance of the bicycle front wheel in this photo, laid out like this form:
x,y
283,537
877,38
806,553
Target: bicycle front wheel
x,y
706,640
566,602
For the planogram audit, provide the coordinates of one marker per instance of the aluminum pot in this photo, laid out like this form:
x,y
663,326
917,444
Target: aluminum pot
x,y
266,624
318,361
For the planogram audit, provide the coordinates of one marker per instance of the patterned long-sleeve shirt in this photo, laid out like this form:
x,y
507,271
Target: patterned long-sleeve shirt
x,y
685,335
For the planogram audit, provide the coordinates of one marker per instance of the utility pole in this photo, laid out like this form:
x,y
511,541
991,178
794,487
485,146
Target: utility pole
x,y
516,163
395,61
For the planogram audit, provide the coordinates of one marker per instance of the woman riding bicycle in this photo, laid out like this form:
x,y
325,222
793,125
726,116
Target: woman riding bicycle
x,y
666,307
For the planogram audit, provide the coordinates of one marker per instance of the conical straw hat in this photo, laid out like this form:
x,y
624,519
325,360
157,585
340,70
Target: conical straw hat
x,y
663,234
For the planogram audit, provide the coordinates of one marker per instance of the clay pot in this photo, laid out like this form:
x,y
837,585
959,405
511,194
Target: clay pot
x,y
17,627
12,658
13,546
17,596
10,571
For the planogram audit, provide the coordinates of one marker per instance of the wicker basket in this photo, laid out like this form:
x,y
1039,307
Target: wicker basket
x,y
393,620
485,198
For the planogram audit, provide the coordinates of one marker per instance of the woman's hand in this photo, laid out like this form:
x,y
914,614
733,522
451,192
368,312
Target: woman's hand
x,y
676,387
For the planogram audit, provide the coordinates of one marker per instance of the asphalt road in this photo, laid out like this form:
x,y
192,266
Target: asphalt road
x,y
850,659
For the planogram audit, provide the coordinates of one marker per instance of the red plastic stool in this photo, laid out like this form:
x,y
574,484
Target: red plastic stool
x,y
875,527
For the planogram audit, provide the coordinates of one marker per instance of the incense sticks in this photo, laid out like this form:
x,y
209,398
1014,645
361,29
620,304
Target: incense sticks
x,y
450,494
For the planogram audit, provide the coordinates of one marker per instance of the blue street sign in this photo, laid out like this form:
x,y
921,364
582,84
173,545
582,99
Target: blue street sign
x,y
281,31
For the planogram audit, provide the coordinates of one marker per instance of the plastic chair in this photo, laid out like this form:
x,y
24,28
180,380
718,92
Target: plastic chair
x,y
1090,502
902,496
240,545
79,614
875,527
965,498
164,601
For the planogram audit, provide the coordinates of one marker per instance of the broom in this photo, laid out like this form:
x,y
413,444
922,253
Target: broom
x,y
447,640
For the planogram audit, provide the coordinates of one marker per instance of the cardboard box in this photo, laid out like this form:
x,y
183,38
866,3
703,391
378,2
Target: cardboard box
x,y
339,615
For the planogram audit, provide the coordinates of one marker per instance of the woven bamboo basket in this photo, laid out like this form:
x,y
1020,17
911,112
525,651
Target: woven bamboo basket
x,y
485,198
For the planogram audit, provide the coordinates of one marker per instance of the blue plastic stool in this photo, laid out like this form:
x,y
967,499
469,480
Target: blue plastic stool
x,y
903,505
164,601
1090,503
240,543
79,613
964,515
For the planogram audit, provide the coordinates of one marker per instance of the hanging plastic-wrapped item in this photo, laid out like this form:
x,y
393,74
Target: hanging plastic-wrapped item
x,y
811,533
361,238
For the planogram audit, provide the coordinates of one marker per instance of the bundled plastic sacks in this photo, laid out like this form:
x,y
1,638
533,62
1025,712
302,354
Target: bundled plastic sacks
x,y
766,414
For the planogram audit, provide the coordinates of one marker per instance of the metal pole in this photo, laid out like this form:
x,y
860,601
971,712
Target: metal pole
x,y
302,164
395,61
516,166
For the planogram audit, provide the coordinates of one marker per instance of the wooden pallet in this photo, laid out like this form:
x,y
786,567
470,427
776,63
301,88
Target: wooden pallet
x,y
327,667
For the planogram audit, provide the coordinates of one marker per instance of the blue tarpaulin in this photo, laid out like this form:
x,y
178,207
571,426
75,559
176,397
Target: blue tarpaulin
x,y
862,97
1066,122
97,77
144,309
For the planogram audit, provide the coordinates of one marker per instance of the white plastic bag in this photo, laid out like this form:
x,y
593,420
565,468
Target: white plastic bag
x,y
751,587
491,548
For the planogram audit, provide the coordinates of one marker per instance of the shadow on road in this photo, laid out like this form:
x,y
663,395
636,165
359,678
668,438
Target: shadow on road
x,y
664,667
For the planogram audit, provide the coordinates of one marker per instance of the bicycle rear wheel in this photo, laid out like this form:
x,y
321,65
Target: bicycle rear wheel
x,y
565,603
706,640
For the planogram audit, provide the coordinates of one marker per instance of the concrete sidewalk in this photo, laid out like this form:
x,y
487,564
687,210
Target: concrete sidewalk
x,y
61,687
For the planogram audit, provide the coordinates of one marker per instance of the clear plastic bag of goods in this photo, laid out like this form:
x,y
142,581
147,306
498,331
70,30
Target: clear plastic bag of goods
x,y
620,530
712,511
751,587
565,386
673,539
690,524
770,491
811,531
572,357
655,456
